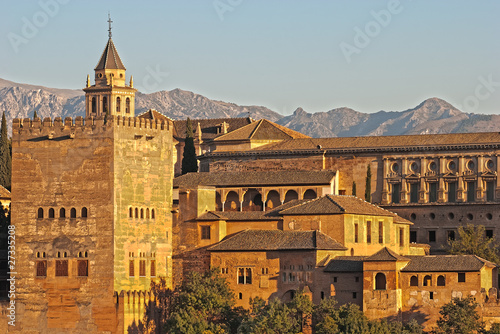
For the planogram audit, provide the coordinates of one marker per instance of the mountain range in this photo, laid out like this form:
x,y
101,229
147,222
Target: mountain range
x,y
429,117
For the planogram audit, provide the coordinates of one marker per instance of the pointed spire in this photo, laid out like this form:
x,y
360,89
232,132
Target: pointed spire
x,y
131,82
110,58
88,80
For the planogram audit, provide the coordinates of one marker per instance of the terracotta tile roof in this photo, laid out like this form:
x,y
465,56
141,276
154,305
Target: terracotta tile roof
x,y
372,142
4,193
345,264
454,263
248,179
236,216
262,130
385,254
269,240
210,127
336,204
110,58
154,114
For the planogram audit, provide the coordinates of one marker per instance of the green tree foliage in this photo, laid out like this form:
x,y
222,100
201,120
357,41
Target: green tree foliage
x,y
203,303
278,317
349,319
5,156
495,329
35,115
368,186
459,316
354,188
189,161
472,240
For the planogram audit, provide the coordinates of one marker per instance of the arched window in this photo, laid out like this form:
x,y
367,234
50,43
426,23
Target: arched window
x,y
136,213
62,213
414,281
291,195
273,200
130,212
94,105
310,194
51,213
142,213
73,213
441,281
427,280
380,282
232,202
118,102
127,105
40,213
84,212
104,105
152,213
147,213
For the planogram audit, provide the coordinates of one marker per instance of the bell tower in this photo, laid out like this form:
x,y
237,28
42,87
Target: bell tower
x,y
110,94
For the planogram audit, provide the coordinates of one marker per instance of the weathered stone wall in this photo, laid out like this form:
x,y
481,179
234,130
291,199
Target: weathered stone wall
x,y
66,166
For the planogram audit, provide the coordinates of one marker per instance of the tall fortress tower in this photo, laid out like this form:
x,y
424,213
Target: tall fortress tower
x,y
91,206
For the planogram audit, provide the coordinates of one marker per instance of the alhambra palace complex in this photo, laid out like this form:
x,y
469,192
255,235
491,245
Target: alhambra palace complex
x,y
100,210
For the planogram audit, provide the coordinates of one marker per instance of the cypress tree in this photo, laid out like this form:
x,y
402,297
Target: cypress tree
x,y
189,161
35,115
5,157
368,187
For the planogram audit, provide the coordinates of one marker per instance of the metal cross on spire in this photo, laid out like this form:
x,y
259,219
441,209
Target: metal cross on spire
x,y
109,21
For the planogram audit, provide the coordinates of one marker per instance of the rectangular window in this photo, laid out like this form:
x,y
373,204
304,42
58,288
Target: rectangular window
x,y
153,268
83,268
380,232
413,236
461,277
452,192
356,231
489,234
490,191
369,232
432,236
244,275
205,232
354,295
396,189
471,190
41,268
61,267
142,268
284,278
414,187
131,271
335,279
431,295
356,279
451,235
433,193
401,237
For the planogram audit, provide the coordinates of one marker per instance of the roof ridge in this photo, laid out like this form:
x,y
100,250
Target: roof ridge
x,y
259,122
335,202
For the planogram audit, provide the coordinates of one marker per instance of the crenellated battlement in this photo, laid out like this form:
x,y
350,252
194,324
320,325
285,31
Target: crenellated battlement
x,y
30,128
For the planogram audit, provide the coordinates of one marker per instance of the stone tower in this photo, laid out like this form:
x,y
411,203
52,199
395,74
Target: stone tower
x,y
110,94
91,206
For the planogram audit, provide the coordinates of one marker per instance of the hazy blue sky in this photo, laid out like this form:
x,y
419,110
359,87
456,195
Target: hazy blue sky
x,y
367,55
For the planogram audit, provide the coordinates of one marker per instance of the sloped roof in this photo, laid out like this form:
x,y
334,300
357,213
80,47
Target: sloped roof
x,y
385,254
269,240
210,127
261,130
154,114
335,204
260,178
110,58
4,193
433,263
371,142
345,264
